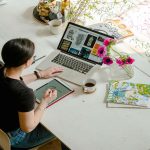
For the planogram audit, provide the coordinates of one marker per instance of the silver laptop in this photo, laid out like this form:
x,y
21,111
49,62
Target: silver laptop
x,y
76,52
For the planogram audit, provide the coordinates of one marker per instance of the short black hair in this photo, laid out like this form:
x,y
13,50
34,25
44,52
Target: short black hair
x,y
16,52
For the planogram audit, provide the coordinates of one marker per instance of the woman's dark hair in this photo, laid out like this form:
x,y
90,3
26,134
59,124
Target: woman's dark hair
x,y
16,52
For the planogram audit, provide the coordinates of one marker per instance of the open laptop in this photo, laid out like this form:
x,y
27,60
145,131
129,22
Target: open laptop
x,y
76,52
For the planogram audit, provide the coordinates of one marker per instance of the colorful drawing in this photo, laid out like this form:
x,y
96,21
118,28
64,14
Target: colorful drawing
x,y
129,93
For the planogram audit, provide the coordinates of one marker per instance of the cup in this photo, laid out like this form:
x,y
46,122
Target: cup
x,y
56,26
89,86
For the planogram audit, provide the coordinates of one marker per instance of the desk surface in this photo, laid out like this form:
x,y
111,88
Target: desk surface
x,y
81,121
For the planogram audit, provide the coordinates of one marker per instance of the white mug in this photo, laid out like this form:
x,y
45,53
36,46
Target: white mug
x,y
89,86
56,26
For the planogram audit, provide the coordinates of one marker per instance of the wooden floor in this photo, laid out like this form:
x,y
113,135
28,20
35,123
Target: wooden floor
x,y
54,145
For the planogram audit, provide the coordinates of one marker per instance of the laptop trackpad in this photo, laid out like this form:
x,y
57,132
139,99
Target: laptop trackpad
x,y
73,76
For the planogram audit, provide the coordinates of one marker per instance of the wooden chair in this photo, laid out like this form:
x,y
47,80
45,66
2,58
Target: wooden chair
x,y
6,145
4,141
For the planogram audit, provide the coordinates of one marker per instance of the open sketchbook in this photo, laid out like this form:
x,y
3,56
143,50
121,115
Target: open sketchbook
x,y
62,90
115,28
127,94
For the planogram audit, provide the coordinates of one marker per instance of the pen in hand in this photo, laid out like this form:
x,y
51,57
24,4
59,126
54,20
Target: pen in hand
x,y
52,93
38,59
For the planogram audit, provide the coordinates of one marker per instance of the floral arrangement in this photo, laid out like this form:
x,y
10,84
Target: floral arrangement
x,y
109,55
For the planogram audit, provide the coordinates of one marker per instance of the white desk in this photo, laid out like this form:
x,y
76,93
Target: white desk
x,y
81,121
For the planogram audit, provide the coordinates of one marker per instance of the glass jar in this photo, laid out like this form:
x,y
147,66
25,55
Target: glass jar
x,y
117,72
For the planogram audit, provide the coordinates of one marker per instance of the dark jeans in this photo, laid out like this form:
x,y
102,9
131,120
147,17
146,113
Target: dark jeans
x,y
36,137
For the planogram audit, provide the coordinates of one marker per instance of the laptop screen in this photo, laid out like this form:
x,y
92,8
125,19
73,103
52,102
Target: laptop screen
x,y
82,42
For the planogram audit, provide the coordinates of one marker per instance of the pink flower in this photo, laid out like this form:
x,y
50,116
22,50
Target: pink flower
x,y
102,51
107,41
129,60
120,62
107,56
107,60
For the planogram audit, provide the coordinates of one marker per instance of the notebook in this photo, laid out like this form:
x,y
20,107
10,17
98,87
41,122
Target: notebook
x,y
76,53
128,94
62,90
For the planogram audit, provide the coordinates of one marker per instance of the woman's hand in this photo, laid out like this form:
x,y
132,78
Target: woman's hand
x,y
50,95
50,72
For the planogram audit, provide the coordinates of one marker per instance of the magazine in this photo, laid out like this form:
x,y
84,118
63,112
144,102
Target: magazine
x,y
128,94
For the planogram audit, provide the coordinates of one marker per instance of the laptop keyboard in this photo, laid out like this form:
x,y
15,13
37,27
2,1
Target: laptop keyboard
x,y
72,63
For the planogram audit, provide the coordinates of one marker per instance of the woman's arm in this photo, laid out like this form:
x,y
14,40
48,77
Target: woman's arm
x,y
45,74
29,120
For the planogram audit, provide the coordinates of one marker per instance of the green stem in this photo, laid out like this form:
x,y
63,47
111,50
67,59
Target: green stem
x,y
126,69
124,66
115,51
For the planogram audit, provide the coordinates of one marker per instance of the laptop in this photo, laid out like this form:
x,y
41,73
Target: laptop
x,y
76,53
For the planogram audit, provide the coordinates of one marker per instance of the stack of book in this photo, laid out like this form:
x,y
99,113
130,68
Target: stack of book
x,y
128,94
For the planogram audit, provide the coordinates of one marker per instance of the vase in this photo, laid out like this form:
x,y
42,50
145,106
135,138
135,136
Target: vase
x,y
120,72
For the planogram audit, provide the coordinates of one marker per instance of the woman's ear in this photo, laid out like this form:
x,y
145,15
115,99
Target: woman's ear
x,y
29,62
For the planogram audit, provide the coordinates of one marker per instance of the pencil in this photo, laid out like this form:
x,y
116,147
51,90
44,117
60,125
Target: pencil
x,y
38,59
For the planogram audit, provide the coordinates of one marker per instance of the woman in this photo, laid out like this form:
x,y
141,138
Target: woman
x,y
18,116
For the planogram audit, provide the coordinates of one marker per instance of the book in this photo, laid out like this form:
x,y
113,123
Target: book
x,y
62,90
128,94
115,28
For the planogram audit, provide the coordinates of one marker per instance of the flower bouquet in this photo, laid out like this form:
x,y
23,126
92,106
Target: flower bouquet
x,y
114,58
